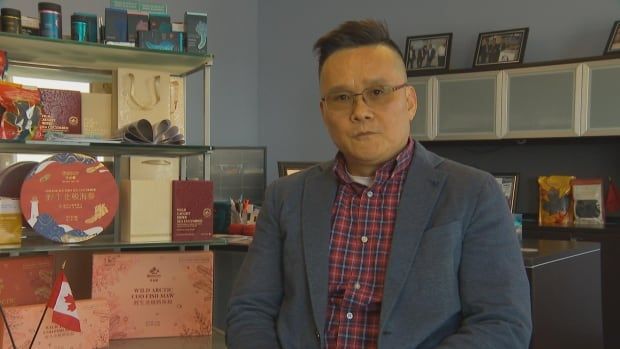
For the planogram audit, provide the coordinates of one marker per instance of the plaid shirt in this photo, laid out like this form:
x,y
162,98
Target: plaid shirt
x,y
363,221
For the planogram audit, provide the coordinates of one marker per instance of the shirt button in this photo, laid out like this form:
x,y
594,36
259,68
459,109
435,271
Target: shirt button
x,y
317,334
369,194
357,286
364,239
350,316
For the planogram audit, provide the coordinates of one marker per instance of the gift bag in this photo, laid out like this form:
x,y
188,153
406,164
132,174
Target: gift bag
x,y
140,94
177,102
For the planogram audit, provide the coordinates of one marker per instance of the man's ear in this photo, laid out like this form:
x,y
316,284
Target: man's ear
x,y
412,102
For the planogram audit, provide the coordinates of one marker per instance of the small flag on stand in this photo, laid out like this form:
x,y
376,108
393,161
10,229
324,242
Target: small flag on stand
x,y
612,200
62,304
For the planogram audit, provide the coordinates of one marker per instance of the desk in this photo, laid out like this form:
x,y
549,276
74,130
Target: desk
x,y
565,286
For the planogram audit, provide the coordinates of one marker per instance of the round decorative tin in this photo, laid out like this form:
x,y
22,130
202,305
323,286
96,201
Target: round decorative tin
x,y
69,198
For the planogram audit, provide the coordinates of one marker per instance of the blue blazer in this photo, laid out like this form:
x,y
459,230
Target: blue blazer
x,y
455,276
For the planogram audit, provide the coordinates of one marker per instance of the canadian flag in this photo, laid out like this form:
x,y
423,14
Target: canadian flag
x,y
63,305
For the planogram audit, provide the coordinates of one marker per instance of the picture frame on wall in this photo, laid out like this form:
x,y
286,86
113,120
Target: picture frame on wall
x,y
286,168
427,54
613,43
502,47
509,183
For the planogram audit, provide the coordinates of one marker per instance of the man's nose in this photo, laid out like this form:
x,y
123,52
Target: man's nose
x,y
360,109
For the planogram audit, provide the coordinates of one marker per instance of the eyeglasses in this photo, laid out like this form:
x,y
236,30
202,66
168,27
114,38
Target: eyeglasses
x,y
374,97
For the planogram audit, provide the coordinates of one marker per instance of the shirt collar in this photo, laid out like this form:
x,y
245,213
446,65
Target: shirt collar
x,y
393,167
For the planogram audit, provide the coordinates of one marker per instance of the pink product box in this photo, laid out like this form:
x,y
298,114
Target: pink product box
x,y
156,294
94,321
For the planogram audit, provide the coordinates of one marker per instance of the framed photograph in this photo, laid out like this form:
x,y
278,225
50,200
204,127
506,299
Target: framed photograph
x,y
508,182
286,168
500,47
613,44
427,54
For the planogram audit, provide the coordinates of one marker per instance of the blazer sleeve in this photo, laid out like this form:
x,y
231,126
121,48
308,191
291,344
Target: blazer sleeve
x,y
494,289
257,293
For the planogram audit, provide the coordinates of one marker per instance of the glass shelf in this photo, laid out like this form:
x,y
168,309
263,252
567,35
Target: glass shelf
x,y
101,149
216,341
35,243
39,51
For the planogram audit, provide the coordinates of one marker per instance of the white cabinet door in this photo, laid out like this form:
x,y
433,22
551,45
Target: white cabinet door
x,y
542,101
467,106
601,98
422,124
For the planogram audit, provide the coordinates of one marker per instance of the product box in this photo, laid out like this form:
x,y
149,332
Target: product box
x,y
10,223
163,41
94,323
145,210
115,25
30,25
160,22
136,21
62,111
156,294
196,31
25,280
97,115
192,210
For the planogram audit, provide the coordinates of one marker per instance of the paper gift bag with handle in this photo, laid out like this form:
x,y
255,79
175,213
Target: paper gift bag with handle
x,y
140,94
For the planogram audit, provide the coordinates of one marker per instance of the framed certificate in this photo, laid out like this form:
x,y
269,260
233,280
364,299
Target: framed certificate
x,y
508,182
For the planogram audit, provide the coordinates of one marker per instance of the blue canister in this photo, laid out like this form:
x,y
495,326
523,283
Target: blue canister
x,y
50,20
79,28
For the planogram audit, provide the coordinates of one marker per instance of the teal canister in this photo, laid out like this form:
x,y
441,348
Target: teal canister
x,y
50,20
11,20
79,28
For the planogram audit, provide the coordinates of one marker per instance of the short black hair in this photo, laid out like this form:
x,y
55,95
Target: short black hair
x,y
352,34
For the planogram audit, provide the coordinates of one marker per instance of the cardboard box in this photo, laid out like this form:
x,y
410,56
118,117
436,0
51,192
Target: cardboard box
x,y
136,21
145,210
97,115
156,294
192,210
10,222
163,41
94,322
196,31
25,280
115,24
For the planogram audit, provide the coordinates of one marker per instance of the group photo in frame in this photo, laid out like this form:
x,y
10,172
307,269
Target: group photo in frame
x,y
427,54
613,43
286,168
509,183
500,47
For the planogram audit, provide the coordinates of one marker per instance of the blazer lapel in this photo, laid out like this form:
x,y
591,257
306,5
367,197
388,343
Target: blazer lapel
x,y
317,199
420,192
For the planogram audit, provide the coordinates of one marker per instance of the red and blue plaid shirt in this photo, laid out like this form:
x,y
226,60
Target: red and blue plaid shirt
x,y
363,221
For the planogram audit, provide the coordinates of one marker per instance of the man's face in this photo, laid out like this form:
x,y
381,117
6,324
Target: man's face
x,y
367,136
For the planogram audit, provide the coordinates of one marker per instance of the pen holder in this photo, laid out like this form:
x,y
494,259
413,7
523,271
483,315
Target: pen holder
x,y
242,229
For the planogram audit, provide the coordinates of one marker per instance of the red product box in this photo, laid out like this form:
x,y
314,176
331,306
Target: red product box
x,y
192,210
62,111
165,294
25,280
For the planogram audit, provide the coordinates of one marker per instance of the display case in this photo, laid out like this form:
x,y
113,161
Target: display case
x,y
90,62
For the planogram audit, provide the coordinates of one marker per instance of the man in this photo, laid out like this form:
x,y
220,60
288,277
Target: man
x,y
387,246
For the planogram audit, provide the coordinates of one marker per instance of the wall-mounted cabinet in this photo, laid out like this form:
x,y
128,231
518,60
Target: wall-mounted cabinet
x,y
600,115
551,100
467,106
422,124
541,101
